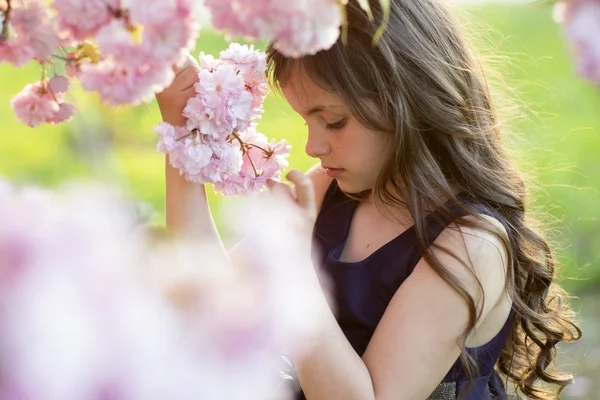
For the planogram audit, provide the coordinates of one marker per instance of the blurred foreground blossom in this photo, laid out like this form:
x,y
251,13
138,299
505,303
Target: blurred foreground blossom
x,y
297,27
581,23
92,308
123,49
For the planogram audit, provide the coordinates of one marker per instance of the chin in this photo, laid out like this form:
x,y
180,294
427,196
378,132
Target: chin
x,y
353,188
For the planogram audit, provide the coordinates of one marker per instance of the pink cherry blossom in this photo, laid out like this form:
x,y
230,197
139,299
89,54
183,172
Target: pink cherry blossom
x,y
235,15
28,16
33,25
72,64
58,84
245,58
208,61
220,144
120,84
131,71
43,102
84,18
16,52
113,39
225,164
581,23
252,65
66,112
32,107
222,105
137,44
297,28
263,160
167,137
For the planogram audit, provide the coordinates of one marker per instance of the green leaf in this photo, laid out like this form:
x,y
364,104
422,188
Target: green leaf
x,y
344,24
364,4
385,6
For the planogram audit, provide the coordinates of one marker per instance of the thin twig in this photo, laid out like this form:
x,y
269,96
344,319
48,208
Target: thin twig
x,y
43,80
267,152
61,58
245,152
7,12
193,132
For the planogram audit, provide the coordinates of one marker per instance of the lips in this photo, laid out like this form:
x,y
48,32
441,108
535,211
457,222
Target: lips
x,y
333,172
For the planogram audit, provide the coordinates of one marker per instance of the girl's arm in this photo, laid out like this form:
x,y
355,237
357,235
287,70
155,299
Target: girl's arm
x,y
187,205
416,341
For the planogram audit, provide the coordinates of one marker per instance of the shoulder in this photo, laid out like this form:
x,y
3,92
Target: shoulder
x,y
476,237
418,337
321,182
473,251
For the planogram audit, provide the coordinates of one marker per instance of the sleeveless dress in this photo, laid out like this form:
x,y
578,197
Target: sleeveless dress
x,y
363,290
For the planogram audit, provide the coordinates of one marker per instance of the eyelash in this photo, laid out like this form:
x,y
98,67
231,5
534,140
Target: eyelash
x,y
336,125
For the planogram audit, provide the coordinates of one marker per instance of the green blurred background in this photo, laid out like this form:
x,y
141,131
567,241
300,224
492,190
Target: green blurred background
x,y
554,124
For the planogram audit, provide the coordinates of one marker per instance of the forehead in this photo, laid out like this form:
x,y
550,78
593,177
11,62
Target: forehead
x,y
305,96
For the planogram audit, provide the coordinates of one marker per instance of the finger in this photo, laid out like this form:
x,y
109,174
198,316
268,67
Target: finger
x,y
186,79
188,93
188,61
182,82
305,193
281,189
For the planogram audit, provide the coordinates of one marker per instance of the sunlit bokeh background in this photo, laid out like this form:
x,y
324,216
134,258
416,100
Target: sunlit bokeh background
x,y
553,129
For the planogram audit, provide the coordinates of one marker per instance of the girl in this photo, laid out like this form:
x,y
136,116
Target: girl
x,y
442,289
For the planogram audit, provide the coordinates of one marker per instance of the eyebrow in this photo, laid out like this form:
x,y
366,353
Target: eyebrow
x,y
320,108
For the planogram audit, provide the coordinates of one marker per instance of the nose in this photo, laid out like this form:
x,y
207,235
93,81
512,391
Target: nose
x,y
316,144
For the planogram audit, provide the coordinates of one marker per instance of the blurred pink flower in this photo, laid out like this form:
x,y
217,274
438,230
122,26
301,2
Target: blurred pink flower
x,y
16,52
72,64
120,84
28,16
117,44
297,27
32,24
83,18
135,67
80,290
43,102
58,84
276,249
33,108
65,113
581,24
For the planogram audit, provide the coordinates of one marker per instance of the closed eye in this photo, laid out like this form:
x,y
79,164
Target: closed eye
x,y
337,125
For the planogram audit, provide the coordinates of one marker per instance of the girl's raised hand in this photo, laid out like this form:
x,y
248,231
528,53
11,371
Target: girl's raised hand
x,y
173,99
302,193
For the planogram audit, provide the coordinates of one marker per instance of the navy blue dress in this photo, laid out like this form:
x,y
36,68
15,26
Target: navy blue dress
x,y
363,290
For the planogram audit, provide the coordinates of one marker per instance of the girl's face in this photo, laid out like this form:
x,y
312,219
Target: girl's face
x,y
350,153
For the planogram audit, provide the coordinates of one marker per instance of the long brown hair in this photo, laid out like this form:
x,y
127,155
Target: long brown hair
x,y
434,99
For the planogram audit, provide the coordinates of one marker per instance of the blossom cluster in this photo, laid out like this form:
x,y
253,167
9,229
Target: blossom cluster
x,y
123,49
219,143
